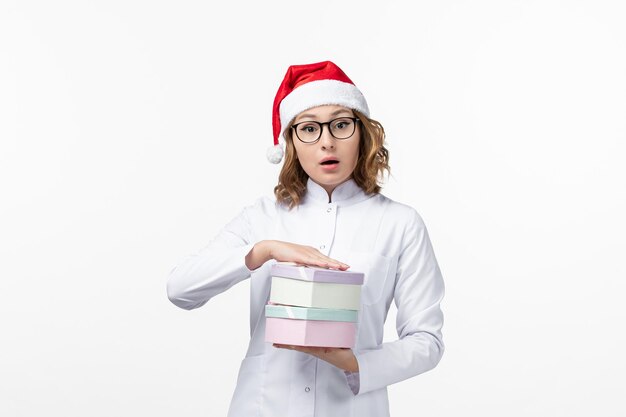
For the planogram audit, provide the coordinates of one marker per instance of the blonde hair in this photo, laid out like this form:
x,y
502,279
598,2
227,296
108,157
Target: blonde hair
x,y
372,162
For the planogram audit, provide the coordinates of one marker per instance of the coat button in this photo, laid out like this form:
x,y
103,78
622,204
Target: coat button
x,y
307,389
322,246
329,209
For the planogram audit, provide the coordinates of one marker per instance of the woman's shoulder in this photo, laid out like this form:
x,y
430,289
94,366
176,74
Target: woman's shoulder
x,y
399,212
264,205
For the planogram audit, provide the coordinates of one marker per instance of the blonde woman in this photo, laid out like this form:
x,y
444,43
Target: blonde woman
x,y
327,212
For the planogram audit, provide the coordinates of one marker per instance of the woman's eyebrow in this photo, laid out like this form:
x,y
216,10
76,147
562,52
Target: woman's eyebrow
x,y
335,113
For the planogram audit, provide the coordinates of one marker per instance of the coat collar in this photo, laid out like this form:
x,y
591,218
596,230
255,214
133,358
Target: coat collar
x,y
345,194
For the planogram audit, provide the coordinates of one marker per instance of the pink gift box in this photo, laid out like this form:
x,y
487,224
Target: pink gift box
x,y
339,334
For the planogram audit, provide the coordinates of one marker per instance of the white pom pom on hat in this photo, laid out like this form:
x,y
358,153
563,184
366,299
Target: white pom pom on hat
x,y
307,86
275,153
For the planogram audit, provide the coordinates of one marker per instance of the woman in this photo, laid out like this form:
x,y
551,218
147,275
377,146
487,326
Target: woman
x,y
327,212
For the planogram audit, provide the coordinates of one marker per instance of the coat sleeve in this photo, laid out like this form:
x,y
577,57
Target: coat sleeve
x,y
419,289
215,268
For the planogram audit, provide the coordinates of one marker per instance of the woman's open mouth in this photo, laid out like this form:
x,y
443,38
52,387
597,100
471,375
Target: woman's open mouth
x,y
329,164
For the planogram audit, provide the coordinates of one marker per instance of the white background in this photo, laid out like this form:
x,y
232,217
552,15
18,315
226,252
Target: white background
x,y
132,131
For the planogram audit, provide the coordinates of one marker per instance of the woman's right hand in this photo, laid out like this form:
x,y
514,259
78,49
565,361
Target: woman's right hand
x,y
282,251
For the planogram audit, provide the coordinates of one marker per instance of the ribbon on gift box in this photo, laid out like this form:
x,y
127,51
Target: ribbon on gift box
x,y
307,313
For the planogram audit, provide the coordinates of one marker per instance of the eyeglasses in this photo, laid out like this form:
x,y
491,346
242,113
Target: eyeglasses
x,y
310,132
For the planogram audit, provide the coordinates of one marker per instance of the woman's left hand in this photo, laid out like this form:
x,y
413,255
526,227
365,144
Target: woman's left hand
x,y
342,358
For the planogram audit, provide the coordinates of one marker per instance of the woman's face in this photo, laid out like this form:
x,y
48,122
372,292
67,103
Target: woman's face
x,y
312,156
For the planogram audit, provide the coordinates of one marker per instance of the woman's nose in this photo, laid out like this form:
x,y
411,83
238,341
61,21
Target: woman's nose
x,y
326,139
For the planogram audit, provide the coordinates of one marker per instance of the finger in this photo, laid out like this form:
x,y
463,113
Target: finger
x,y
325,262
333,262
312,257
342,266
290,347
318,261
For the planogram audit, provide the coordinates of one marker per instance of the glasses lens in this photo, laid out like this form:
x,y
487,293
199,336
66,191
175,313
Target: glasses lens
x,y
342,128
308,131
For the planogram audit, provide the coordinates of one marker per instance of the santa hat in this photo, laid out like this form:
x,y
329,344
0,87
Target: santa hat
x,y
307,86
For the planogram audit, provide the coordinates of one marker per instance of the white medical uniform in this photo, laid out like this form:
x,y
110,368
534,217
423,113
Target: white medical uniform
x,y
386,240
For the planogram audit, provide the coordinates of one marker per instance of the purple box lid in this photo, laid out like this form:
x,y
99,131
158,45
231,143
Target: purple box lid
x,y
315,274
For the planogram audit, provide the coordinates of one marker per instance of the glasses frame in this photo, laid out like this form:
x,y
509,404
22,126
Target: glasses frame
x,y
354,120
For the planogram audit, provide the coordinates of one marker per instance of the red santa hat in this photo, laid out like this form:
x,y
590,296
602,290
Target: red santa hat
x,y
307,86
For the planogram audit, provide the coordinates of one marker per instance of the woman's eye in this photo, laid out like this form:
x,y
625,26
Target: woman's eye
x,y
308,128
342,124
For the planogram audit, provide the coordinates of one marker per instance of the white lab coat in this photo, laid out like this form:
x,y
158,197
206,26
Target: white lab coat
x,y
386,240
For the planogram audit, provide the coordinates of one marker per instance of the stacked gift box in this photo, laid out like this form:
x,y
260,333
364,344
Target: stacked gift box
x,y
312,306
